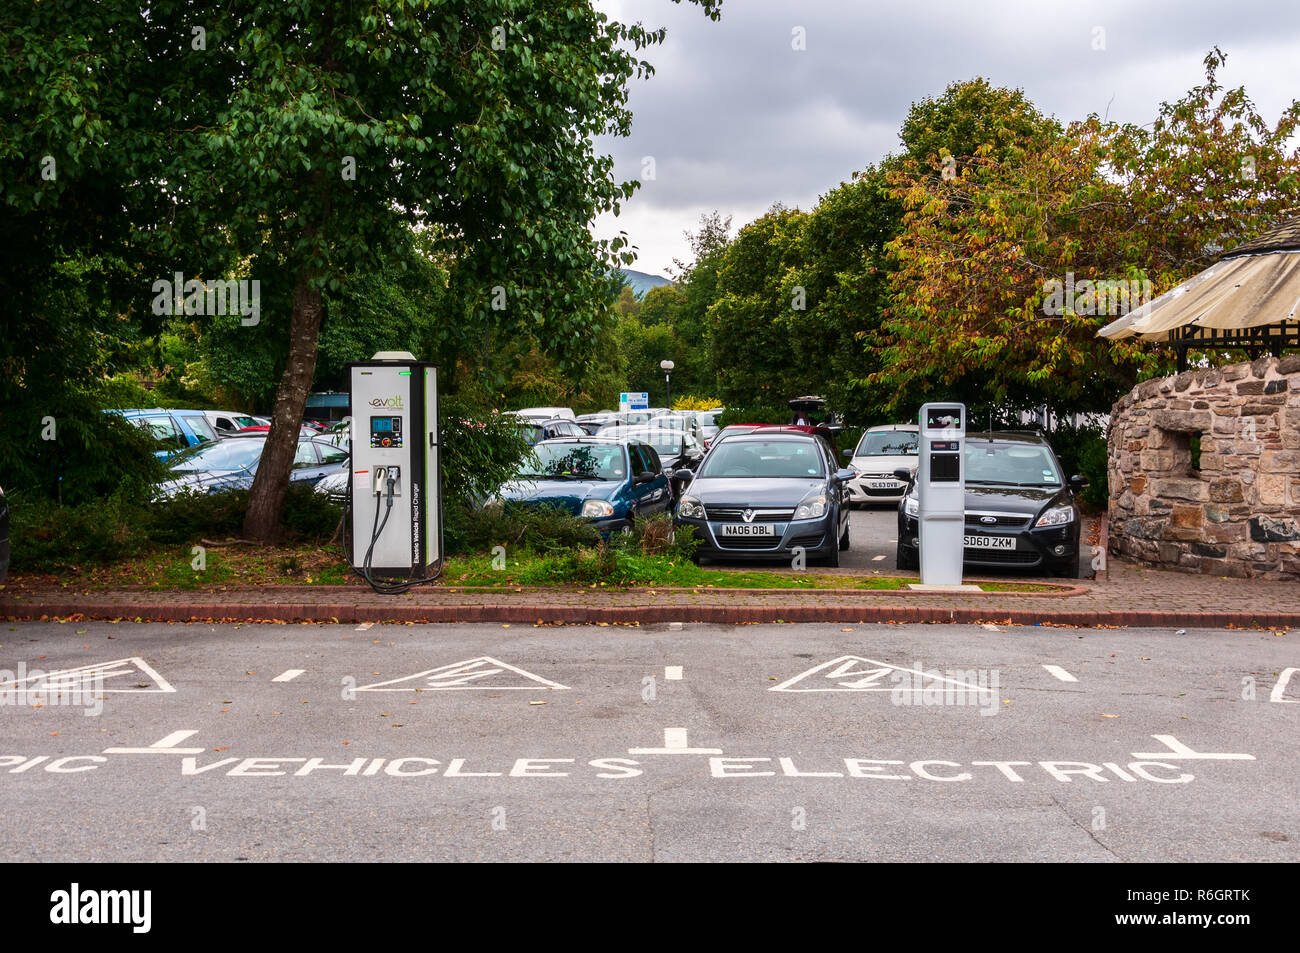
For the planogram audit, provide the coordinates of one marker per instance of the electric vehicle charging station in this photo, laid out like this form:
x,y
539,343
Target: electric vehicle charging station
x,y
396,481
941,492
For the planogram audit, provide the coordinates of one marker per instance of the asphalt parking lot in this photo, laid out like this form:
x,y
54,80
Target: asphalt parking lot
x,y
652,743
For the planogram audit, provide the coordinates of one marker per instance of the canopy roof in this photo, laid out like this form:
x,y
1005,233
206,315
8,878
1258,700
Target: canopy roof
x,y
1249,297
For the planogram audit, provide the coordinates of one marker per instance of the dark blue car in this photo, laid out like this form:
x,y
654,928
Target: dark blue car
x,y
607,481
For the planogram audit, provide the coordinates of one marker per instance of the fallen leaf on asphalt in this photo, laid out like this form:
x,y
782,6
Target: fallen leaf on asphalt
x,y
250,673
505,625
386,715
347,742
222,748
537,703
1146,658
846,630
1104,715
53,734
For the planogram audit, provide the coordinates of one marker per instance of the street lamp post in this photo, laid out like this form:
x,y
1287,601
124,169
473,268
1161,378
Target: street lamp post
x,y
668,381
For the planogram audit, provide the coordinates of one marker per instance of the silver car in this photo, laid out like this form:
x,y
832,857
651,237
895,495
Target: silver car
x,y
880,452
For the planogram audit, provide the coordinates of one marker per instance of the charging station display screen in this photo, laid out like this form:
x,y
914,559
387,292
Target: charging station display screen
x,y
943,418
385,431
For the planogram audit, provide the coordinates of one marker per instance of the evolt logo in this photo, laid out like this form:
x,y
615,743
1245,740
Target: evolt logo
x,y
75,906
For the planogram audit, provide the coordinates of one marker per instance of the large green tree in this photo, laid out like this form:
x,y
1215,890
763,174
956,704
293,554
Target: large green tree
x,y
302,139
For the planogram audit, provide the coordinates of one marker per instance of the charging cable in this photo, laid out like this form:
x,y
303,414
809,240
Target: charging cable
x,y
377,529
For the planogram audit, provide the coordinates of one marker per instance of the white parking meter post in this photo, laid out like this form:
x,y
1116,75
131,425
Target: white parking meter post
x,y
941,492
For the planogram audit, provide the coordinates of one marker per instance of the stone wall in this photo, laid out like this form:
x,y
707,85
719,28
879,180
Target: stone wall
x,y
1238,514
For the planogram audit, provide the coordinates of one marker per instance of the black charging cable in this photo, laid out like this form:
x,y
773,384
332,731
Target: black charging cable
x,y
377,529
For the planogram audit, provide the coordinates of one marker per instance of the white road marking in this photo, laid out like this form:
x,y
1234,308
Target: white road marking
x,y
673,673
876,559
165,746
841,668
87,677
1276,694
289,676
674,743
1060,673
1180,752
457,676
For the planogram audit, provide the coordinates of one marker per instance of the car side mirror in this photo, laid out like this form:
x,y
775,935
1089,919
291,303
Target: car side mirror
x,y
903,474
645,476
684,475
847,454
1078,482
845,475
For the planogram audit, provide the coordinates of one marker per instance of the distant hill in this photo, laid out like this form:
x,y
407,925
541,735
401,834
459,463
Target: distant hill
x,y
641,282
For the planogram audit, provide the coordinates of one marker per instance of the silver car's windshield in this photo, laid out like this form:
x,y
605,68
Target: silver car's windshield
x,y
784,459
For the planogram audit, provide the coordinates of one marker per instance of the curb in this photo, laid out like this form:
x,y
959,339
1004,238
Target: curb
x,y
575,615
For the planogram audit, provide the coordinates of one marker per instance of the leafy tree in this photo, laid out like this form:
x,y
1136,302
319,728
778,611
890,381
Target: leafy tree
x,y
759,312
971,115
302,139
1102,203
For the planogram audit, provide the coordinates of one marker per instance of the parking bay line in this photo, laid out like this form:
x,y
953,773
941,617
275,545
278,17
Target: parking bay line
x,y
165,746
674,743
673,673
289,676
1060,673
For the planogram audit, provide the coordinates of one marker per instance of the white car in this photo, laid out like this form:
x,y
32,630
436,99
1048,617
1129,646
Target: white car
x,y
544,413
226,422
880,452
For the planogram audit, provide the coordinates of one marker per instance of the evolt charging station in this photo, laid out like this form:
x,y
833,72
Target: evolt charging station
x,y
396,498
941,492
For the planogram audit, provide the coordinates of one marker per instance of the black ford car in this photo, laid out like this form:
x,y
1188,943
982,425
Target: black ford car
x,y
1020,511
767,494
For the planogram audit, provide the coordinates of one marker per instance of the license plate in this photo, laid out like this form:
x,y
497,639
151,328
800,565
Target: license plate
x,y
746,529
990,542
884,485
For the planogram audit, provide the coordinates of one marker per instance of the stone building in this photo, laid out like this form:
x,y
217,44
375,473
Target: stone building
x,y
1205,471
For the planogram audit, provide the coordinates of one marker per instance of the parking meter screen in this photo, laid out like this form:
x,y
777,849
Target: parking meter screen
x,y
943,418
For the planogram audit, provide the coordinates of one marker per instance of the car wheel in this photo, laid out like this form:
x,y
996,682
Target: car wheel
x,y
832,559
907,558
1071,569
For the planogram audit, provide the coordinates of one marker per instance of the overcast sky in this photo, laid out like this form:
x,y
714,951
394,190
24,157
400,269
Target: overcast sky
x,y
736,119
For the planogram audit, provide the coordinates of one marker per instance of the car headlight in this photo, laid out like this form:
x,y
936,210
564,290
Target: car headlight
x,y
690,508
596,509
911,506
1056,516
811,508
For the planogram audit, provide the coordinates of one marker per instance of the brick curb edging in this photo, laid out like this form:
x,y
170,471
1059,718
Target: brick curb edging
x,y
729,615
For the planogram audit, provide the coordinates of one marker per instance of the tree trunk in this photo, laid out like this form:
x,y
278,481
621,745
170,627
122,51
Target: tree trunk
x,y
266,499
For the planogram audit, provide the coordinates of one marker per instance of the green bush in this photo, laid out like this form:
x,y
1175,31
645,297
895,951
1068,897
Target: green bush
x,y
547,529
481,450
45,536
1083,450
754,415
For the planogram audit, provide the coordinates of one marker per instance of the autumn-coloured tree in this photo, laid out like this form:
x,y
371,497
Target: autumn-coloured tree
x,y
984,244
